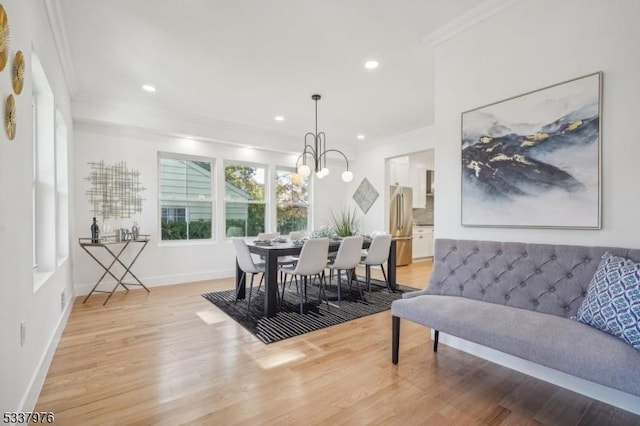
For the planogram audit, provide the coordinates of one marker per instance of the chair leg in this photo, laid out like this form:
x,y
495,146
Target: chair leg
x,y
300,292
386,281
323,287
352,274
284,284
368,277
242,277
260,283
339,285
436,334
250,290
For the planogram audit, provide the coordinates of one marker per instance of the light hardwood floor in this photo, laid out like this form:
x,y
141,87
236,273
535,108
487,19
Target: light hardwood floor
x,y
170,357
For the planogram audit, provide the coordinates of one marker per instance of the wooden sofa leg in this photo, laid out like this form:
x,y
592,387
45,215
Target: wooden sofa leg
x,y
395,338
435,340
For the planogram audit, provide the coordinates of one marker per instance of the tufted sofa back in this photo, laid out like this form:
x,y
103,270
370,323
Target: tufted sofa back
x,y
547,278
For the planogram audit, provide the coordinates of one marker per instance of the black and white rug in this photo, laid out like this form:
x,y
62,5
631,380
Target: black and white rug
x,y
317,315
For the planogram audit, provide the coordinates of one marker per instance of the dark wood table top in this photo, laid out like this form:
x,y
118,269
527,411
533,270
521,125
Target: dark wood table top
x,y
288,247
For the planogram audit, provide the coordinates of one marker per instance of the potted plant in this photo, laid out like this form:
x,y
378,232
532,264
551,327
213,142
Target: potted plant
x,y
344,224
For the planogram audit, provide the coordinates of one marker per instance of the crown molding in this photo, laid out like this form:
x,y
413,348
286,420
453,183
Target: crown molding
x,y
464,22
56,22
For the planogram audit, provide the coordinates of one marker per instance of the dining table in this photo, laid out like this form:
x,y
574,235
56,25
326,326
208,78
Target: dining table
x,y
272,250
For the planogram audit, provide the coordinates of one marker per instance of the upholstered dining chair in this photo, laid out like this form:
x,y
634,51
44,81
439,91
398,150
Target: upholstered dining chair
x,y
347,259
372,236
289,260
377,254
312,261
247,265
267,236
296,235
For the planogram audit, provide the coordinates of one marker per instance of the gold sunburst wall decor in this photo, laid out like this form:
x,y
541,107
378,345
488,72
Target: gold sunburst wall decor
x,y
10,117
17,72
4,38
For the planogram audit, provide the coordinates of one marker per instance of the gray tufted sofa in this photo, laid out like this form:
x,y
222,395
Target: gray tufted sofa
x,y
518,298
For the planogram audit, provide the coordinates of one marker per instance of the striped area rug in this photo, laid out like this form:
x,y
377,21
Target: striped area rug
x,y
289,323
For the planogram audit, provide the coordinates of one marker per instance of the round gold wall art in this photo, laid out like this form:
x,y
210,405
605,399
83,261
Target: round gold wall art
x,y
10,117
4,38
17,72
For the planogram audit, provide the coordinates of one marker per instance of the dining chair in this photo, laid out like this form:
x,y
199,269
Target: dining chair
x,y
288,259
312,261
267,236
372,236
247,265
347,259
377,254
296,235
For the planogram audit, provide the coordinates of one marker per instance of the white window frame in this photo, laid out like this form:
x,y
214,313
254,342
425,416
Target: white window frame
x,y
44,209
62,188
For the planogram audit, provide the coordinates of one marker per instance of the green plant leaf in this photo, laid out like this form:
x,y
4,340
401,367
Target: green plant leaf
x,y
344,224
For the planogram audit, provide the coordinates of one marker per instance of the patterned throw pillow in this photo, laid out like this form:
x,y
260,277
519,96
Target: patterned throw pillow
x,y
612,303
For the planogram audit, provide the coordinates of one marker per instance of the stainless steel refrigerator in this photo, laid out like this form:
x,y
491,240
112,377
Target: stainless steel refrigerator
x,y
401,222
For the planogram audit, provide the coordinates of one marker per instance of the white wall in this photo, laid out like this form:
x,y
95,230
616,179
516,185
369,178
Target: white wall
x,y
22,368
371,164
530,45
526,46
173,262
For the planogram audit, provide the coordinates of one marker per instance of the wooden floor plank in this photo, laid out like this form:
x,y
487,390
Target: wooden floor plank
x,y
170,357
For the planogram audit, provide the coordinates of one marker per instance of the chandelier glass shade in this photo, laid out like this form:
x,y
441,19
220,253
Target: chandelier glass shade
x,y
314,155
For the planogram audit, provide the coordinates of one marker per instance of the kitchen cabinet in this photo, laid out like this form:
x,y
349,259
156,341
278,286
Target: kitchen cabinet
x,y
399,173
423,245
419,185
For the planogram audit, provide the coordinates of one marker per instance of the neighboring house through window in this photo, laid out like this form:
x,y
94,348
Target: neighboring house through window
x,y
245,200
186,202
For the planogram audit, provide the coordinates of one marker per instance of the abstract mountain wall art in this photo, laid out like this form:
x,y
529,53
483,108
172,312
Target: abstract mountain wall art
x,y
533,160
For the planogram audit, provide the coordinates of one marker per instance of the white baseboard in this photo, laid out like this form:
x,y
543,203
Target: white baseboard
x,y
592,390
85,288
30,398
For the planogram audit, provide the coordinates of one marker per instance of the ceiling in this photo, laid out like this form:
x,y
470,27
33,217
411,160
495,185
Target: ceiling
x,y
246,61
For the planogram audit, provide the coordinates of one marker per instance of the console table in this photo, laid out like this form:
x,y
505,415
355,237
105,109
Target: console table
x,y
119,247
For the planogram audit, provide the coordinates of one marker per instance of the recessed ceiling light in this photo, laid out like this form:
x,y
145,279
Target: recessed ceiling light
x,y
371,65
148,88
278,118
360,137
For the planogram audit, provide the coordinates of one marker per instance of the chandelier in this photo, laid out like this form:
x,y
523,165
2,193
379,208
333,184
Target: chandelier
x,y
315,147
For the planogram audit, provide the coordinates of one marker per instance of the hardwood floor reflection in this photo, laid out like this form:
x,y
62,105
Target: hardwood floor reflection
x,y
170,357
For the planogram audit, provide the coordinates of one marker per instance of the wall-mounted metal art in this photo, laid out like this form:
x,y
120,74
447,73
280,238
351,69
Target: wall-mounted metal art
x,y
115,190
4,37
17,72
10,117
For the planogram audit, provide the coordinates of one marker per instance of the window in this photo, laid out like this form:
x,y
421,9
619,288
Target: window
x,y
186,204
62,190
44,211
245,202
292,210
